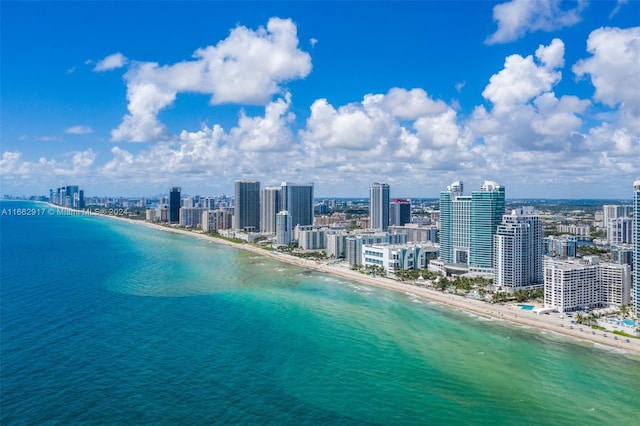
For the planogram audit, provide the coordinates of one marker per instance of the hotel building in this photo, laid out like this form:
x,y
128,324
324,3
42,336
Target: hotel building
x,y
468,224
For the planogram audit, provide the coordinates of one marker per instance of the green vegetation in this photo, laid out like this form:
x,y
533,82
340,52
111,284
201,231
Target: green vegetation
x,y
230,239
590,251
313,255
622,333
415,274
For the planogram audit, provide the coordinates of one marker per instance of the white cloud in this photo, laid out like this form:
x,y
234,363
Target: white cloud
x,y
521,79
616,9
247,67
79,130
268,133
111,62
518,17
614,70
77,165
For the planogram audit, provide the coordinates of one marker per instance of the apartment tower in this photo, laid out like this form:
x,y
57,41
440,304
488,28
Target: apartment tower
x,y
247,206
379,206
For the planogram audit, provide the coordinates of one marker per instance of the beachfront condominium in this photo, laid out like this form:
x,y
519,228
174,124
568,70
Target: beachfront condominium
x,y
519,247
468,224
269,208
247,206
174,204
636,246
576,284
284,231
297,199
379,206
400,212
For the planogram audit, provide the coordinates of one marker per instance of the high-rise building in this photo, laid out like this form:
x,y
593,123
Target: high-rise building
x,y
174,204
636,246
247,206
284,231
519,247
269,208
468,224
379,206
576,284
620,230
400,212
487,208
297,199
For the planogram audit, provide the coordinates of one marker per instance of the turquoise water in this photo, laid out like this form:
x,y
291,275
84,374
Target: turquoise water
x,y
105,322
629,322
526,307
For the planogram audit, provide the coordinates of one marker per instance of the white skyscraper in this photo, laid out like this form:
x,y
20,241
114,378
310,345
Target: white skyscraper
x,y
519,247
269,208
284,231
379,206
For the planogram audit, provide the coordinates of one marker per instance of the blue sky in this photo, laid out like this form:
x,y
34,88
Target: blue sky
x,y
129,98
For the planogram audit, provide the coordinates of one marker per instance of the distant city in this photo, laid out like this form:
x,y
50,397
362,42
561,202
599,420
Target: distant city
x,y
583,256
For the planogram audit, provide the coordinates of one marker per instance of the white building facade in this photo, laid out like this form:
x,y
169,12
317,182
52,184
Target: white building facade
x,y
519,247
571,285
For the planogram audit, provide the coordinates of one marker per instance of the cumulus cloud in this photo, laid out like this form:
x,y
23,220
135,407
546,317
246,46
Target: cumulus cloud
x,y
111,62
247,67
78,130
526,114
518,17
268,133
614,68
522,79
74,164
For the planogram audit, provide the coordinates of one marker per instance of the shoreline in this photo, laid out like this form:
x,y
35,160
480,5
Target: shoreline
x,y
555,322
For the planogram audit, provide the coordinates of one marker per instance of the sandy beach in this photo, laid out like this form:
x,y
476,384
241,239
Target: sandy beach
x,y
554,322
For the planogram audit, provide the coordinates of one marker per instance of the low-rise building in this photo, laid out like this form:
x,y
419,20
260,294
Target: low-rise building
x,y
396,257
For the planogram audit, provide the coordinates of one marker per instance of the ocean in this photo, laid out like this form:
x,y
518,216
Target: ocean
x,y
107,322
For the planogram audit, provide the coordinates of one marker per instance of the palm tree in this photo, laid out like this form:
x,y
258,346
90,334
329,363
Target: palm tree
x,y
579,318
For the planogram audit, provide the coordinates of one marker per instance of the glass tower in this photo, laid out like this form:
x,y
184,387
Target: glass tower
x,y
174,204
379,206
468,224
247,205
487,208
297,199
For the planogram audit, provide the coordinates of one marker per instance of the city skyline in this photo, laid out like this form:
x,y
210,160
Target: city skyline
x,y
377,92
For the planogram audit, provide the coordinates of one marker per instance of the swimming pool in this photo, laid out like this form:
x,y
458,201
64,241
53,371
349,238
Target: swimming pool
x,y
526,307
629,322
